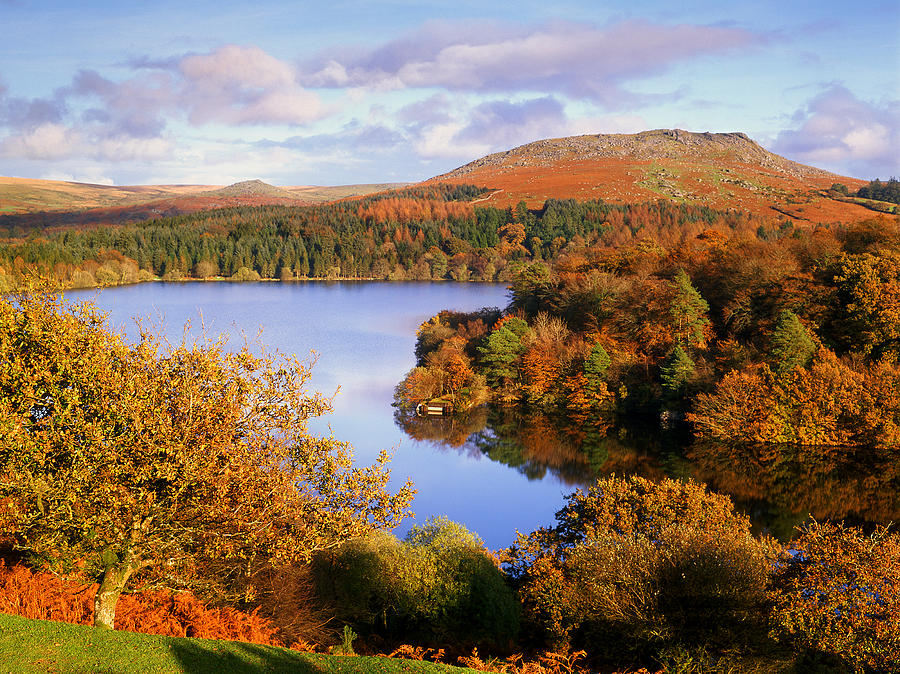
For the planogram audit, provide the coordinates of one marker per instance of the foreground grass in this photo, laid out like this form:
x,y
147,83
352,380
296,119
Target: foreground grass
x,y
41,646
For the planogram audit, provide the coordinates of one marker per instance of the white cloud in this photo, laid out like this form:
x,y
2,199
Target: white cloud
x,y
579,61
441,141
244,85
842,133
46,141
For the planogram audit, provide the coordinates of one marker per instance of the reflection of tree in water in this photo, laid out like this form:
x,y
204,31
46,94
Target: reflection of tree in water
x,y
782,484
536,444
778,486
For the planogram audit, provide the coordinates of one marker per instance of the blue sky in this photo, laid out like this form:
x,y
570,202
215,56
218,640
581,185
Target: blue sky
x,y
343,92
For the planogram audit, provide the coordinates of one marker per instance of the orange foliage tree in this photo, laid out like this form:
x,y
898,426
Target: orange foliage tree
x,y
836,592
155,460
827,403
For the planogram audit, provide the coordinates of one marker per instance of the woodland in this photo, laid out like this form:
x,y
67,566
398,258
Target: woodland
x,y
177,486
420,233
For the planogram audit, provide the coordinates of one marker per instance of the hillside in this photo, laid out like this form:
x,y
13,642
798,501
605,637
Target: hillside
x,y
721,170
52,203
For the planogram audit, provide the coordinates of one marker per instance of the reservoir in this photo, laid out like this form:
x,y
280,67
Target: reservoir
x,y
496,470
363,335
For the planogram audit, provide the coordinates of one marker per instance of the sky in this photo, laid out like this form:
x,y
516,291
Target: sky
x,y
344,92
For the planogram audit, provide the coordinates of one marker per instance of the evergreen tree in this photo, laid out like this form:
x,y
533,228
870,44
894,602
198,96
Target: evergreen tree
x,y
676,371
690,323
597,362
500,351
791,345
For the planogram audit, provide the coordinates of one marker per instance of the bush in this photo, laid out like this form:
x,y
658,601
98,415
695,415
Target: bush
x,y
83,279
245,274
688,587
650,565
837,593
438,586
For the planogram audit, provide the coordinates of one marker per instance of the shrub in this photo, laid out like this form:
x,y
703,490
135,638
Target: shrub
x,y
633,562
688,587
837,593
245,274
83,279
439,585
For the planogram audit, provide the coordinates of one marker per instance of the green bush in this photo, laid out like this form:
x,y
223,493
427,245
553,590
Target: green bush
x,y
438,586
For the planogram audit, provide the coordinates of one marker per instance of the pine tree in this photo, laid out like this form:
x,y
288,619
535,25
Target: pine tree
x,y
676,371
500,351
791,345
690,323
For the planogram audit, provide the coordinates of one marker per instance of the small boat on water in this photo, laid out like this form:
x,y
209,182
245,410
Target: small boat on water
x,y
434,408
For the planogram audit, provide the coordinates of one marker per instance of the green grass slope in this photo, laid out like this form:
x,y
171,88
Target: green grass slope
x,y
40,646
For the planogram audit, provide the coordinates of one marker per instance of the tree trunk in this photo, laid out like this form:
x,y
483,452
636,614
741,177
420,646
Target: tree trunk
x,y
114,579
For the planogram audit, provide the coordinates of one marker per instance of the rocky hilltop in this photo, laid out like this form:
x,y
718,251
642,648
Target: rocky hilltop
x,y
720,170
658,144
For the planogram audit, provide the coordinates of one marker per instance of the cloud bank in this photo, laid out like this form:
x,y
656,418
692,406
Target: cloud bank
x,y
575,60
436,97
837,130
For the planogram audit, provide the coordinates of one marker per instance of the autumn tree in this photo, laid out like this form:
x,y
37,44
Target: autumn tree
x,y
869,303
639,563
835,593
158,462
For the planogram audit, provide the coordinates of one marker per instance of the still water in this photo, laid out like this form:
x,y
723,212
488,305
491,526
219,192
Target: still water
x,y
494,470
363,334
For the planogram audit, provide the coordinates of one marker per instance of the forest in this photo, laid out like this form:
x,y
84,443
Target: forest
x,y
789,337
420,233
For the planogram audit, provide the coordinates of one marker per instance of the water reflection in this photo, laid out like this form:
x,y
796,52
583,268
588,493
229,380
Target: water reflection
x,y
778,486
784,484
538,445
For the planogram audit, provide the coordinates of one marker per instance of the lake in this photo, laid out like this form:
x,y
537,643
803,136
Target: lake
x,y
495,470
363,334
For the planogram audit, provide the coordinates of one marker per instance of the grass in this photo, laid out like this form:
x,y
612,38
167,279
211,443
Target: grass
x,y
41,646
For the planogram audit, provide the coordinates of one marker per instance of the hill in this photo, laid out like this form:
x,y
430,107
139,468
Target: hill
x,y
29,203
250,188
720,170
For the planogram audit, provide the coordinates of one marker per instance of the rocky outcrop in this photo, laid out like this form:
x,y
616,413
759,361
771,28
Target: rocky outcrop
x,y
646,145
250,188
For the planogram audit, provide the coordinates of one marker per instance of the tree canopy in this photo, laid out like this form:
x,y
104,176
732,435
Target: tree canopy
x,y
166,462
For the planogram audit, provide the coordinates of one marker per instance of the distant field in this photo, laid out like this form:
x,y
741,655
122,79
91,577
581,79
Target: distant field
x,y
40,646
23,195
320,194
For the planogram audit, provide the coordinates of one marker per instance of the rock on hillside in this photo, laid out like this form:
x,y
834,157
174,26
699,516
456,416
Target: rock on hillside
x,y
658,144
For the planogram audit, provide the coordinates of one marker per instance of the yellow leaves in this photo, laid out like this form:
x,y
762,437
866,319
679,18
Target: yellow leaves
x,y
205,450
837,593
